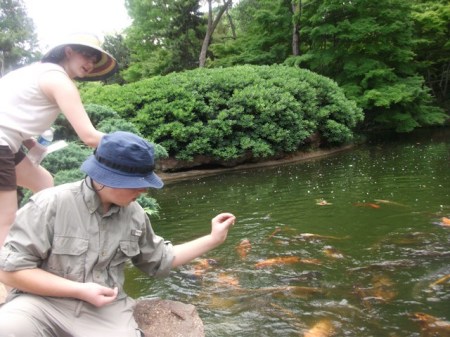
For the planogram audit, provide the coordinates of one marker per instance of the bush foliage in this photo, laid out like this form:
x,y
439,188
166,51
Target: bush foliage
x,y
231,112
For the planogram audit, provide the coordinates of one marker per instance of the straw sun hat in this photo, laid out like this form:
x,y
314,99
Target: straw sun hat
x,y
105,67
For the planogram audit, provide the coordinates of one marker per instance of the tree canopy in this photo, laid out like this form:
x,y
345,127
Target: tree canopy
x,y
392,57
18,41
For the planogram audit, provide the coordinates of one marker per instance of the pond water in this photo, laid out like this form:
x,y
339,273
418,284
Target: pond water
x,y
356,241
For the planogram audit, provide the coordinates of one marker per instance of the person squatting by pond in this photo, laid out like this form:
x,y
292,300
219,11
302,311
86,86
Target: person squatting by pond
x,y
66,252
31,99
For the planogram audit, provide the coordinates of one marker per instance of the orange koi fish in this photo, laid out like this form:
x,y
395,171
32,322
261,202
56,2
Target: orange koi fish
x,y
445,221
431,325
442,280
285,260
227,280
202,265
323,328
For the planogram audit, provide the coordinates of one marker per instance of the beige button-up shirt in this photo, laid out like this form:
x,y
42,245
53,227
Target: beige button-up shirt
x,y
63,231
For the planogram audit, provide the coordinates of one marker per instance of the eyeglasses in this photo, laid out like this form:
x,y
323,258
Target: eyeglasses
x,y
95,58
90,54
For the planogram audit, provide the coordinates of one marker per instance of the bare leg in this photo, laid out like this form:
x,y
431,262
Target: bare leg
x,y
8,208
33,177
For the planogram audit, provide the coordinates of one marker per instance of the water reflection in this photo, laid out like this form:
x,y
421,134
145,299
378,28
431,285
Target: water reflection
x,y
372,261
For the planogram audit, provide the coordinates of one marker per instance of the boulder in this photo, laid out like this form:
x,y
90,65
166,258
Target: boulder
x,y
165,318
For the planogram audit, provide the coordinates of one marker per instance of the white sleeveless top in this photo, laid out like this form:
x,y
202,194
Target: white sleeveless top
x,y
25,111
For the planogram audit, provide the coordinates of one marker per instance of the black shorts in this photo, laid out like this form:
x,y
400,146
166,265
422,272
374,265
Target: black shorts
x,y
8,162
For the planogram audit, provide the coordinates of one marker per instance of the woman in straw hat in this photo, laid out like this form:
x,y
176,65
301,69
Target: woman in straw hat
x,y
31,99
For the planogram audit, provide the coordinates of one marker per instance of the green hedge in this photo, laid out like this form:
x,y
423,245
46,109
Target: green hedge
x,y
230,112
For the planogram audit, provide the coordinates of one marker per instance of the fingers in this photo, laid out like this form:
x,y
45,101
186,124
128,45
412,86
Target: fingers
x,y
108,292
107,296
225,217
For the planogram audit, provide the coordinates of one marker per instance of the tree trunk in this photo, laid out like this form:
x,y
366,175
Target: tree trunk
x,y
210,30
296,11
230,20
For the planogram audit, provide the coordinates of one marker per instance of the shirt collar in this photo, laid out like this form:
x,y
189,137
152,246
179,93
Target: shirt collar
x,y
90,197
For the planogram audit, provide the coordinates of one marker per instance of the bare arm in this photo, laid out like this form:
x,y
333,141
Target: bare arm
x,y
190,250
60,89
40,282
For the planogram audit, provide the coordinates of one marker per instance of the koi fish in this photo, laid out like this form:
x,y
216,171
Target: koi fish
x,y
285,311
227,280
285,260
332,252
202,265
322,202
297,291
305,236
381,290
433,326
388,202
366,204
323,328
440,281
383,287
387,265
244,248
445,221
302,291
277,229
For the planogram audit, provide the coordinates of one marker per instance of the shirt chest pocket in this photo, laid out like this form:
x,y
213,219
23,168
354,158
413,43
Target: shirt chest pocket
x,y
125,252
68,257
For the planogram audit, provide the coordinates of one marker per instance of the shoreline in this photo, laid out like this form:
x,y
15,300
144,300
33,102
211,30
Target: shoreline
x,y
292,158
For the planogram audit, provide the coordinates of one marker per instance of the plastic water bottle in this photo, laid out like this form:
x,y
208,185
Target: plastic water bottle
x,y
46,137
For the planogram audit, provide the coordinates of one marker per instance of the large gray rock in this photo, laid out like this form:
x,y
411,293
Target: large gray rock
x,y
165,318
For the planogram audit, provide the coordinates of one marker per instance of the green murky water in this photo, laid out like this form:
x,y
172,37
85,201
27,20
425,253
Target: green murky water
x,y
375,250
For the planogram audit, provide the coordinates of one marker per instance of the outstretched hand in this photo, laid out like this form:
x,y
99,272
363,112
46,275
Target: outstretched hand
x,y
97,294
221,225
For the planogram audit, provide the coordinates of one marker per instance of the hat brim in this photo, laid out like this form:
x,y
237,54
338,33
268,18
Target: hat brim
x,y
117,179
104,68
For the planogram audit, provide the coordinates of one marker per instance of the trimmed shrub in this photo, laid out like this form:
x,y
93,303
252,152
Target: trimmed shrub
x,y
229,113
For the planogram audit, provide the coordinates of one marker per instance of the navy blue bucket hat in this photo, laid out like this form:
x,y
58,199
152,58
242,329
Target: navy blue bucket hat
x,y
123,160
